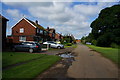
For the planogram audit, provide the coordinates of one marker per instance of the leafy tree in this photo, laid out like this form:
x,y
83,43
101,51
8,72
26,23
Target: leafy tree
x,y
106,28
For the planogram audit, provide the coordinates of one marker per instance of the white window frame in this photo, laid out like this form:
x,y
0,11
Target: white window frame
x,y
21,30
22,38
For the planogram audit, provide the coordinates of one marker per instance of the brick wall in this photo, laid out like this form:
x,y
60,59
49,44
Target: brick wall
x,y
29,30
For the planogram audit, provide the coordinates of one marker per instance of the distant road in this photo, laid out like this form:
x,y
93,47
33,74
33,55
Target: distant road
x,y
90,64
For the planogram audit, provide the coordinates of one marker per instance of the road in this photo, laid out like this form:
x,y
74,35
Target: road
x,y
90,64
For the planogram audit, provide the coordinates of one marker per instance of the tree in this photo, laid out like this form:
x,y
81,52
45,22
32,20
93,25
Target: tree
x,y
106,28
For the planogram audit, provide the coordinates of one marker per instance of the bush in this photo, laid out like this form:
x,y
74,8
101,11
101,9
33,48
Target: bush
x,y
94,42
114,45
69,44
104,40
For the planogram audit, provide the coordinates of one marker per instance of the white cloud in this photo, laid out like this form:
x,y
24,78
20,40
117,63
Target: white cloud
x,y
61,16
60,0
14,13
88,10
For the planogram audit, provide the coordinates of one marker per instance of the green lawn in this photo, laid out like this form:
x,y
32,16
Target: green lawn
x,y
31,69
9,58
111,53
74,46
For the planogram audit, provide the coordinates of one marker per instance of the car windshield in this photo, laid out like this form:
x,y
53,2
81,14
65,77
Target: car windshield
x,y
30,44
53,42
26,43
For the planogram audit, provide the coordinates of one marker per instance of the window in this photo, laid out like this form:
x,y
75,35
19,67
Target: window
x,y
21,30
41,31
22,38
37,30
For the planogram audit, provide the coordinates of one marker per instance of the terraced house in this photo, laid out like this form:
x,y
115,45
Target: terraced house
x,y
52,33
27,30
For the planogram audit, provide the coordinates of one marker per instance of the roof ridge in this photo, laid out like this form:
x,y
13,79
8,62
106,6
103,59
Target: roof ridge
x,y
37,25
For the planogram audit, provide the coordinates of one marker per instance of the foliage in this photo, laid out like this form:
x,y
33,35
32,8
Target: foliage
x,y
69,44
106,28
94,42
105,40
67,39
114,45
83,40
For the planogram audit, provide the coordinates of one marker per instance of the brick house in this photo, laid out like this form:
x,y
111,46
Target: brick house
x,y
27,30
58,37
3,24
52,33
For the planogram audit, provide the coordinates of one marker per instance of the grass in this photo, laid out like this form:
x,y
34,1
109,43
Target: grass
x,y
74,46
32,69
9,58
111,53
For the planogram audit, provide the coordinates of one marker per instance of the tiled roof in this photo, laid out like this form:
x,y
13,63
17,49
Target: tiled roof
x,y
37,25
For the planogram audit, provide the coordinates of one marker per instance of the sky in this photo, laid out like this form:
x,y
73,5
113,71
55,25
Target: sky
x,y
66,17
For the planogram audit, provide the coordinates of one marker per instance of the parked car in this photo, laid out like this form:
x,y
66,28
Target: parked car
x,y
88,43
58,42
54,44
27,46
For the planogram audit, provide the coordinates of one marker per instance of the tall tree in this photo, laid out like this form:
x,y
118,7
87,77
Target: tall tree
x,y
106,28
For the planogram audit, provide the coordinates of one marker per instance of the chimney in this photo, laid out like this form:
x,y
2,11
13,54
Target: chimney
x,y
36,21
48,28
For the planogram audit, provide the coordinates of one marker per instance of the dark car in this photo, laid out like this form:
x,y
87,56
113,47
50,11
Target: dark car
x,y
27,46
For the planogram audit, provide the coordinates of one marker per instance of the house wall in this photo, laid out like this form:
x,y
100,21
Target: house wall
x,y
4,24
57,36
29,30
16,39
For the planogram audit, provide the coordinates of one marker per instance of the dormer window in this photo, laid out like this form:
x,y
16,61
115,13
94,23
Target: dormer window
x,y
21,30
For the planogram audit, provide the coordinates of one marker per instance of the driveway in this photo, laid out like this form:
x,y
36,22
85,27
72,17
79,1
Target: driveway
x,y
90,64
56,51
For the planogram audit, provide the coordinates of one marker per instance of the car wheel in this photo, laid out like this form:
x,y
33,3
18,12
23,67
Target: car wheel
x,y
31,50
59,47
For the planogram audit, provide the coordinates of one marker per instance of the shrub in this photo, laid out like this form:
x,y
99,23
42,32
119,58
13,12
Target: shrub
x,y
114,45
104,40
69,44
94,42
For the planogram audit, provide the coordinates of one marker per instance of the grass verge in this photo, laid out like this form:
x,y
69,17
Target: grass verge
x,y
74,46
9,58
111,53
32,69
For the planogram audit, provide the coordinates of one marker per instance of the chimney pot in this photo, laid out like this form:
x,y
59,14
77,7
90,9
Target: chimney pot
x,y
47,27
36,21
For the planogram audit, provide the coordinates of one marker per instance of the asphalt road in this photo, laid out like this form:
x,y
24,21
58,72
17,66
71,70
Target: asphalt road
x,y
90,64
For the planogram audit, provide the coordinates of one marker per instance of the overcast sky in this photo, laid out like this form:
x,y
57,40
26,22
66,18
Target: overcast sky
x,y
66,17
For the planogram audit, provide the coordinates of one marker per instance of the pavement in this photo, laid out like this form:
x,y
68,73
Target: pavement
x,y
90,64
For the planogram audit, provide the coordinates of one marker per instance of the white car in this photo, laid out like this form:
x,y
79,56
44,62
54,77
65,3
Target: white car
x,y
54,44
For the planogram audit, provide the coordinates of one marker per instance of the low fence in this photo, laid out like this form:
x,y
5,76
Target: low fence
x,y
45,46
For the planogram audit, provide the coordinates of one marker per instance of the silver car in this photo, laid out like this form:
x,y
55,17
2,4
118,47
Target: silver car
x,y
54,44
